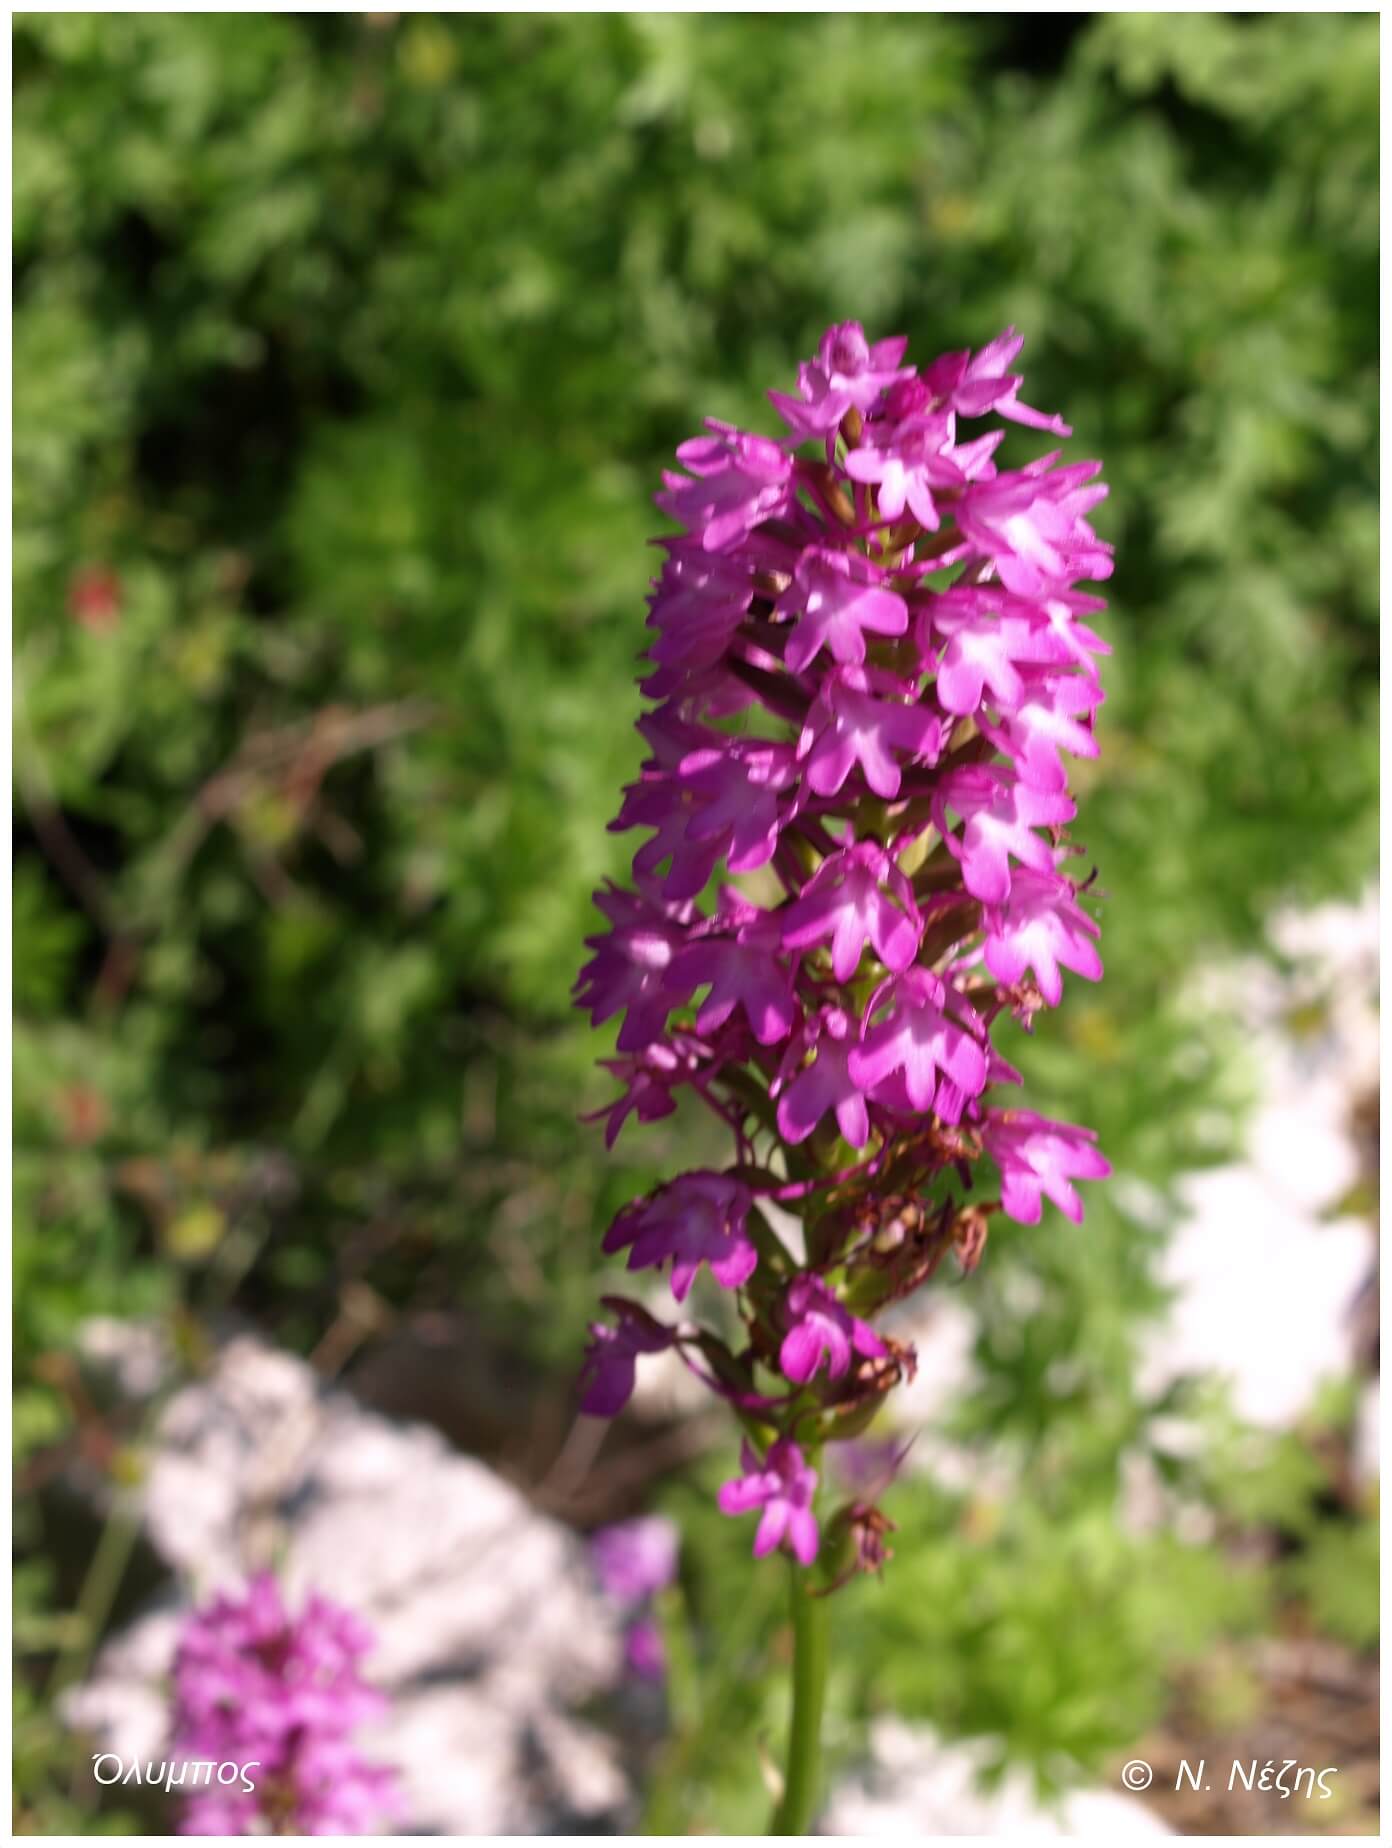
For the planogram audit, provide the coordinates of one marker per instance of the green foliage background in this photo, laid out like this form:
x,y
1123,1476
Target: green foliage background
x,y
352,346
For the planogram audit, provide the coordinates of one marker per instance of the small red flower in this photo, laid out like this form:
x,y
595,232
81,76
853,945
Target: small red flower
x,y
94,599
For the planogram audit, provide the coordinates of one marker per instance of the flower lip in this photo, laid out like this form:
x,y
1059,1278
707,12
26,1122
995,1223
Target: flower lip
x,y
822,1329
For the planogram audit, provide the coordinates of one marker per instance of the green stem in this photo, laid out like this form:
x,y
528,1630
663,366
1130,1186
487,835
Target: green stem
x,y
96,1598
803,1774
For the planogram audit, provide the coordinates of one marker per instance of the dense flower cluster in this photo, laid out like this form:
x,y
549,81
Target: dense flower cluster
x,y
279,1697
634,1561
867,666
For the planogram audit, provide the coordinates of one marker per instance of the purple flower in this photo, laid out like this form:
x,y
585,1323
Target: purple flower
x,y
850,725
984,649
972,387
1000,812
821,1328
846,901
919,1039
836,598
1038,1157
908,461
698,1219
744,971
847,374
824,1085
697,605
867,1465
1075,641
783,1486
635,1559
706,795
1041,927
254,1686
1030,524
648,1080
658,802
631,966
1043,722
739,480
610,1366
849,363
737,785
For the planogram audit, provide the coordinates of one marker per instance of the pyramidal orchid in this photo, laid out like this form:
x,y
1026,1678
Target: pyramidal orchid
x,y
869,674
278,1696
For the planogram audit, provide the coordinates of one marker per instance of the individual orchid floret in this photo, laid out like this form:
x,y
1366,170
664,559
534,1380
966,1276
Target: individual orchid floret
x,y
1041,927
837,598
697,605
853,723
661,804
783,1486
1044,721
847,374
826,1084
610,1368
1074,640
907,462
910,406
737,788
1038,1157
971,387
634,1562
631,966
744,970
739,480
821,1328
707,797
1001,814
1031,526
984,650
698,1219
846,900
648,1079
850,364
919,1039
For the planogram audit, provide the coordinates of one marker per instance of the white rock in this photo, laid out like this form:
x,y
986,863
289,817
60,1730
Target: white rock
x,y
1263,1296
1265,1279
917,1785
